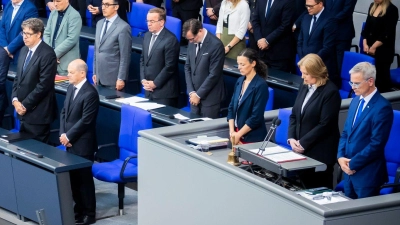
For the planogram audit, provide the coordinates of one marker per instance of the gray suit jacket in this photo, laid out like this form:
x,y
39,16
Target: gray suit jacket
x,y
67,39
161,65
112,54
204,75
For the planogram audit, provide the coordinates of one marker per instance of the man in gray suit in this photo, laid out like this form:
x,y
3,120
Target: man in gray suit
x,y
62,34
113,45
203,69
159,61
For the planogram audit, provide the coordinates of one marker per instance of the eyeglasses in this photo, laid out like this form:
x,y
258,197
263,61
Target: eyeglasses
x,y
357,84
28,35
106,5
152,21
311,6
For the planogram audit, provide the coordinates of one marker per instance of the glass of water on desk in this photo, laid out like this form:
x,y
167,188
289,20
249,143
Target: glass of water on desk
x,y
205,146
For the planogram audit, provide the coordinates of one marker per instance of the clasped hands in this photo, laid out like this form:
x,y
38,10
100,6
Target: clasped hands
x,y
237,136
9,54
296,147
369,50
194,99
21,110
148,85
211,14
262,44
64,141
344,164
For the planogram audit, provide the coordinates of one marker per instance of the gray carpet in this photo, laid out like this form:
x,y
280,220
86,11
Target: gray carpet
x,y
107,205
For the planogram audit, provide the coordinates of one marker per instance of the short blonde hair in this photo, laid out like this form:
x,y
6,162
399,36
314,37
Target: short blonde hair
x,y
315,68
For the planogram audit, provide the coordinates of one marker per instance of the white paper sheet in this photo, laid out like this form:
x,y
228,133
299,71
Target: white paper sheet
x,y
131,100
285,157
334,199
271,150
147,105
180,117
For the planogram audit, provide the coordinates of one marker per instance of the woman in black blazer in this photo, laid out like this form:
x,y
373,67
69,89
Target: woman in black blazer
x,y
246,110
313,128
379,39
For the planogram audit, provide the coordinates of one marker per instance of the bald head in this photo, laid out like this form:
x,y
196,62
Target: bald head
x,y
77,71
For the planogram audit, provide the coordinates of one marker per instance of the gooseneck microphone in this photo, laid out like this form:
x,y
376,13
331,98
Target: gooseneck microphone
x,y
275,123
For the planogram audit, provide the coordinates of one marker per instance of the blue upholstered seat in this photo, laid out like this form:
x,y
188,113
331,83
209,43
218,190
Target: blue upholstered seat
x,y
281,132
137,18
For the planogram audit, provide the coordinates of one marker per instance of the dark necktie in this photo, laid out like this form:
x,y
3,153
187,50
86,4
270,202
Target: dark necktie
x,y
198,47
359,110
313,24
73,94
28,58
153,39
268,8
105,29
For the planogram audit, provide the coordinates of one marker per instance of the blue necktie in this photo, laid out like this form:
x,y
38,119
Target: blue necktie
x,y
313,23
105,30
359,110
27,60
268,8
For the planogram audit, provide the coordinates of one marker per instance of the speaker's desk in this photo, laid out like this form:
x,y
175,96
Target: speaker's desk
x,y
29,183
183,186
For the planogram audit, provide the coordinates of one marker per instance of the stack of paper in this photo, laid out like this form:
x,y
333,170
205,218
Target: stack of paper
x,y
271,150
180,116
147,105
131,100
285,157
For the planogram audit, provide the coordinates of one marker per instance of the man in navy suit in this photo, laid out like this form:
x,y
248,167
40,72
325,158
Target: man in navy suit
x,y
272,22
361,153
317,35
15,12
342,11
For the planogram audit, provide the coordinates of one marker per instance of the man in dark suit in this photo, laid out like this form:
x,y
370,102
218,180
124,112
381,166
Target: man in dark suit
x,y
213,7
156,3
11,41
78,135
33,94
203,69
272,22
342,11
318,35
186,9
159,61
361,153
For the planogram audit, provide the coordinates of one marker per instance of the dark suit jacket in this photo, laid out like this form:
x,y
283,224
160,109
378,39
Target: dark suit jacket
x,y
78,119
364,143
161,66
156,3
188,4
97,3
10,36
342,11
317,127
320,41
251,109
204,75
276,28
215,4
34,87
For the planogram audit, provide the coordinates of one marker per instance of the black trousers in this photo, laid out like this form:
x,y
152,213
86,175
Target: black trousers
x,y
206,111
173,102
83,191
41,131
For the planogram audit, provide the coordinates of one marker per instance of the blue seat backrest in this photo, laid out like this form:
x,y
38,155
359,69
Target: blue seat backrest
x,y
281,132
206,19
210,28
133,120
168,7
89,62
270,103
174,25
392,148
88,18
297,68
138,17
350,59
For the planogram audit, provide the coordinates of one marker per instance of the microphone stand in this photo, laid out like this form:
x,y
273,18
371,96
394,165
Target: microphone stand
x,y
262,147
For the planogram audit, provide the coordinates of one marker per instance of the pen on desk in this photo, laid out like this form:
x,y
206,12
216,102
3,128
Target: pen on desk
x,y
29,152
281,80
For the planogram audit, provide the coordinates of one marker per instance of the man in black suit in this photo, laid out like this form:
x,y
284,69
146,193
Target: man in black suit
x,y
78,134
343,13
159,61
33,93
203,69
272,22
186,9
317,35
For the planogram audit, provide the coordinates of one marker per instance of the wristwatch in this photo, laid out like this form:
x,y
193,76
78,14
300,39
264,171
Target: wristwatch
x,y
229,46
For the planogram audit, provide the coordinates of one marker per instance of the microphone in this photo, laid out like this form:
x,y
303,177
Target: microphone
x,y
275,123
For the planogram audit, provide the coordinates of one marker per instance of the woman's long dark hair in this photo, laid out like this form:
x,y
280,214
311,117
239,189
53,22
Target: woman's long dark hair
x,y
252,55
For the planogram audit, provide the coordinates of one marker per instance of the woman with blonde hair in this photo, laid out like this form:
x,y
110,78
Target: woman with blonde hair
x,y
234,16
313,127
379,40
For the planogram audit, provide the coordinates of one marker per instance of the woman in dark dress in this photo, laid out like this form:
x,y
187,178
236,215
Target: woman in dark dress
x,y
379,39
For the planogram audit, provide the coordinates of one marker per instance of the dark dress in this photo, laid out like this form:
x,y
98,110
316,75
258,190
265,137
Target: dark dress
x,y
382,28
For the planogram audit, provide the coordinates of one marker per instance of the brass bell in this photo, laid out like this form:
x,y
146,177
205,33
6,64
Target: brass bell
x,y
232,159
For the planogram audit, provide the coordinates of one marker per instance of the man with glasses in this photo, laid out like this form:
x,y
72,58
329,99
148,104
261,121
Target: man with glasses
x,y
159,61
62,34
361,153
113,43
203,69
33,95
317,35
11,41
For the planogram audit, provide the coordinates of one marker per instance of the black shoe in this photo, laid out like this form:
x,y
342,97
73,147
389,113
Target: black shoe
x,y
86,220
